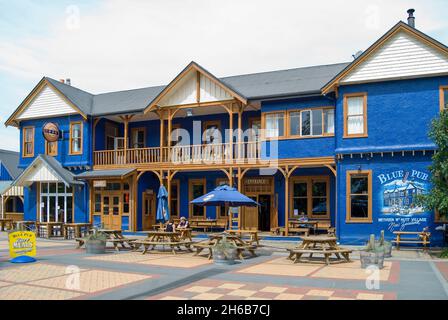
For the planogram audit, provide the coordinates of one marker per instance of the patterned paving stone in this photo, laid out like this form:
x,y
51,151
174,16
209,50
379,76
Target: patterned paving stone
x,y
351,271
26,292
281,267
128,257
178,262
92,281
31,272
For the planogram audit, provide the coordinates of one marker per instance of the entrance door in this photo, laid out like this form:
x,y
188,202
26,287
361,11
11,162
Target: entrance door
x,y
249,219
111,217
264,213
149,211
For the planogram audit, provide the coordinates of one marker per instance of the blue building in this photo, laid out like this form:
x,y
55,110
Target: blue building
x,y
346,144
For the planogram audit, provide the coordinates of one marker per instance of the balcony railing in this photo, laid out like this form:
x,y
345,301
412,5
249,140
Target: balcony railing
x,y
215,153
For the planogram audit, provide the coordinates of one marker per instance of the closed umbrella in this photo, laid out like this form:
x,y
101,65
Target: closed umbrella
x,y
163,213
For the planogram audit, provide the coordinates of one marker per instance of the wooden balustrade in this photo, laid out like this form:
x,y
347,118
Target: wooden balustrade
x,y
190,154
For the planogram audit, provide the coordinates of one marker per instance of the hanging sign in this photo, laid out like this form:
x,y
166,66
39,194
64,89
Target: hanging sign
x,y
22,243
51,132
99,183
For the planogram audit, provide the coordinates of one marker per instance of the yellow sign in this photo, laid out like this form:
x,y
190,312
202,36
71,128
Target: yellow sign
x,y
22,243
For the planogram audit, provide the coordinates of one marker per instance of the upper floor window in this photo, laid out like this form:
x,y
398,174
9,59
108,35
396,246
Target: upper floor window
x,y
355,115
359,196
28,142
51,148
75,138
309,123
274,124
443,98
138,138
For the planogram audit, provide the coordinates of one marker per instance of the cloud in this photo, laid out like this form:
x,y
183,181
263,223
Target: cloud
x,y
120,44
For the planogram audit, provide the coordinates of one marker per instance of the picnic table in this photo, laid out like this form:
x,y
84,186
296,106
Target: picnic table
x,y
115,236
162,238
214,239
4,222
205,224
298,224
322,245
253,234
74,230
46,229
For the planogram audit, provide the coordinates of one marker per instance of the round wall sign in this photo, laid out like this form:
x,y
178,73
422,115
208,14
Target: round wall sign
x,y
51,132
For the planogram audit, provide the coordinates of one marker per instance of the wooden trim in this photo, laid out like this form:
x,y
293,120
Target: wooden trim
x,y
355,95
24,131
133,130
55,153
176,182
309,182
442,97
72,124
195,67
263,124
401,26
349,174
192,182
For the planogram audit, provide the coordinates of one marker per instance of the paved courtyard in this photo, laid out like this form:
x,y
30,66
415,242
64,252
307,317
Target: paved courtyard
x,y
63,272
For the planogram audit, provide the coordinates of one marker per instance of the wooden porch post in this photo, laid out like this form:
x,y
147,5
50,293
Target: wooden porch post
x,y
240,128
169,190
162,134
169,133
231,131
286,174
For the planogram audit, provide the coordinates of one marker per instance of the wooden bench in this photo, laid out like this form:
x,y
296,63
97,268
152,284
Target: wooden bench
x,y
422,237
296,254
304,231
147,244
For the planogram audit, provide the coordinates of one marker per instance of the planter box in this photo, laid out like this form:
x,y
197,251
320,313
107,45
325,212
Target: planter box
x,y
369,258
95,247
228,258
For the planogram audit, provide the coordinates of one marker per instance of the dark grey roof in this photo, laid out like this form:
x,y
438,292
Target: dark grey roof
x,y
65,175
291,82
10,161
285,82
82,99
105,174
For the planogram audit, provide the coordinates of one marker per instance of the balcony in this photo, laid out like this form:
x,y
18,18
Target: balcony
x,y
200,155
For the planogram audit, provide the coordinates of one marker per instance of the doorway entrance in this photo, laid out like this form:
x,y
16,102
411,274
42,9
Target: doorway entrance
x,y
111,218
149,211
261,218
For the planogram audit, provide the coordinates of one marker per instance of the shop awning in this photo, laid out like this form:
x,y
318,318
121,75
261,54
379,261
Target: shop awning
x,y
106,174
45,169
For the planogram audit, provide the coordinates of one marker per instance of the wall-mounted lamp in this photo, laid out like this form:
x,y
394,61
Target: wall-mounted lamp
x,y
189,112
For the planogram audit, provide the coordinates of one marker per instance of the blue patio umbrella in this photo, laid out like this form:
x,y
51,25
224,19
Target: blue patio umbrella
x,y
224,196
163,213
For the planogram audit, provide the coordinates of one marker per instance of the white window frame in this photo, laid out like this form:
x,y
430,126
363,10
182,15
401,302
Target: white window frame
x,y
46,195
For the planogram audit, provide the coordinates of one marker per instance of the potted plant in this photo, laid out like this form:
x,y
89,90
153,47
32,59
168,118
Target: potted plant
x,y
373,254
386,245
224,252
96,242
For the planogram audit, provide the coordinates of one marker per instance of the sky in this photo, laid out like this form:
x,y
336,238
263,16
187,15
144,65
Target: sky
x,y
112,45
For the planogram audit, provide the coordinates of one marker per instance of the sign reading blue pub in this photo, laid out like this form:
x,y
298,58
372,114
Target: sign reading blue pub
x,y
398,192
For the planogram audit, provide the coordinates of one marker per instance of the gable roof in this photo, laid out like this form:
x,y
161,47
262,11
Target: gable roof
x,y
10,160
399,27
52,165
76,98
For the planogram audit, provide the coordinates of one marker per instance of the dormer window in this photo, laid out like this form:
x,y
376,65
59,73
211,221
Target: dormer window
x,y
355,115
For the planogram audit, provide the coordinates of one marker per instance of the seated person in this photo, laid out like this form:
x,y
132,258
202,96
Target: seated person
x,y
183,224
303,218
170,226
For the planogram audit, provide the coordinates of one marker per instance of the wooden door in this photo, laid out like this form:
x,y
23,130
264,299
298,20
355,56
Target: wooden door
x,y
149,211
249,218
111,218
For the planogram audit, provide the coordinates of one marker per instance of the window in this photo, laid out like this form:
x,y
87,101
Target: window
x,y
311,123
28,142
56,203
111,134
359,196
196,190
138,138
255,125
212,132
221,210
443,98
51,148
75,138
355,115
97,206
175,203
310,197
274,125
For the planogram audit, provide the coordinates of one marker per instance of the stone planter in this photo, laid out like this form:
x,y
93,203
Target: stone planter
x,y
387,248
222,257
95,247
372,258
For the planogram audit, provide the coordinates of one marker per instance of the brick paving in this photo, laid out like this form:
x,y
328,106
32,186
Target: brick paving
x,y
63,272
